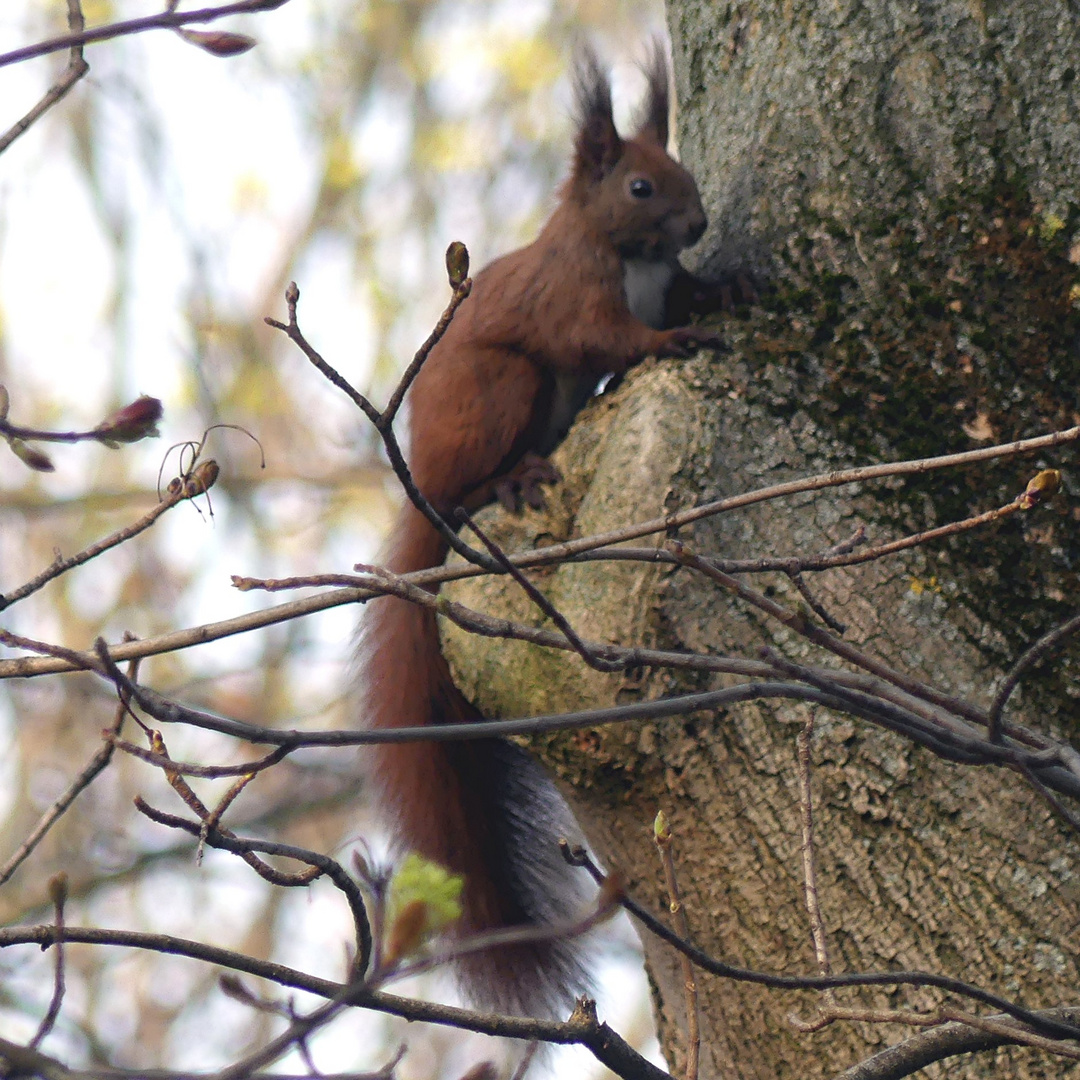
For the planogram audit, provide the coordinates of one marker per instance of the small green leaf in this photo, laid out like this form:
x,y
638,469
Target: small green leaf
x,y
419,879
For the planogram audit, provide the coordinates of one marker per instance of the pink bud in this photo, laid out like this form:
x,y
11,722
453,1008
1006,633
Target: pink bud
x,y
219,42
30,455
131,423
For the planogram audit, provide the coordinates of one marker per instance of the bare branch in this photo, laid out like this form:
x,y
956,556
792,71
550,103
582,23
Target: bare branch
x,y
27,667
798,622
803,749
61,566
167,20
24,1062
943,1042
462,289
1031,657
383,422
1060,1029
590,656
583,1028
218,837
662,836
76,68
838,478
58,891
97,764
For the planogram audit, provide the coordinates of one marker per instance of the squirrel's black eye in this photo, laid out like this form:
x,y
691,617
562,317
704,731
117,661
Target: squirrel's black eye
x,y
640,188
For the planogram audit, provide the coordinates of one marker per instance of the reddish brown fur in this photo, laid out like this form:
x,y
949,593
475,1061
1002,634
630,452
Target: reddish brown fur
x,y
550,313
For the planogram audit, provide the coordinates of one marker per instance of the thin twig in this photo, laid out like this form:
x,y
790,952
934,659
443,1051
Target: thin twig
x,y
838,478
842,556
163,21
662,836
24,1062
803,747
1012,1031
856,539
169,712
211,819
948,1040
460,294
58,889
1004,1027
386,432
228,841
296,1033
26,667
1031,656
1055,804
834,558
76,68
188,768
1043,1025
97,764
540,600
831,1013
878,702
815,605
61,566
601,1040
801,625
946,736
263,869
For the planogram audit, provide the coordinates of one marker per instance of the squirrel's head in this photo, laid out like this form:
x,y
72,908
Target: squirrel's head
x,y
631,189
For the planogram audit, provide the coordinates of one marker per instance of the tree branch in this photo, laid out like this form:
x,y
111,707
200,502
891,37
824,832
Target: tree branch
x,y
166,20
943,1042
76,68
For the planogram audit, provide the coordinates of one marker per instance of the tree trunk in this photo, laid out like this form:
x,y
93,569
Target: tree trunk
x,y
904,179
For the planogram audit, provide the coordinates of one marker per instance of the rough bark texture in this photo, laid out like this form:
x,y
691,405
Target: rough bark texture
x,y
905,177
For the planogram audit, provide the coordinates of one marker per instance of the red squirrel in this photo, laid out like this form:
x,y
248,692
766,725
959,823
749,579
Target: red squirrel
x,y
527,349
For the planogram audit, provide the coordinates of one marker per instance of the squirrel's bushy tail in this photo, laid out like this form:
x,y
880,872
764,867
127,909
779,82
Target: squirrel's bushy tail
x,y
482,807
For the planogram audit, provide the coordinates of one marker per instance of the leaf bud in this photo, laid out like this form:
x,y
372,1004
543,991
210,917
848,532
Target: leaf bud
x,y
58,889
219,42
408,931
133,422
1042,486
457,264
424,899
30,455
202,478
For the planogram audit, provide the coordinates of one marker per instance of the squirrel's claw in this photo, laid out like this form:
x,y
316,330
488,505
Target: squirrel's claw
x,y
520,487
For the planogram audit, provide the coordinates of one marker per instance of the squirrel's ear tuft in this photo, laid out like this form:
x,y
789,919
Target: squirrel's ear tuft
x,y
597,146
652,119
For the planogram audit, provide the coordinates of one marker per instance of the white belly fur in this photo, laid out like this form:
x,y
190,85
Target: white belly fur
x,y
645,285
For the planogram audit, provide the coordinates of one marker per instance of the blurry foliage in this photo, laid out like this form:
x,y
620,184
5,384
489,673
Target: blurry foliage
x,y
405,124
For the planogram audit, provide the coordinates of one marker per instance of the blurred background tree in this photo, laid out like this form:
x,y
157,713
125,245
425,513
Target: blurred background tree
x,y
147,225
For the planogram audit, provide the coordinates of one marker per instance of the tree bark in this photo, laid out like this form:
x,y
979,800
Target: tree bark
x,y
903,178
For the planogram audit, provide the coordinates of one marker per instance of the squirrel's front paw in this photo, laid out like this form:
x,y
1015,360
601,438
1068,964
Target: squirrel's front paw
x,y
521,485
686,340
